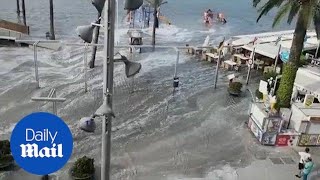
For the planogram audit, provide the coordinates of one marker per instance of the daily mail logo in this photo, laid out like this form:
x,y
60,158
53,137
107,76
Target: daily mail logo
x,y
32,150
41,143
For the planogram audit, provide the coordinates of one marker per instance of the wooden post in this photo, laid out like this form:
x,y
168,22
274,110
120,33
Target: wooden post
x,y
277,58
18,7
52,35
155,12
24,13
95,41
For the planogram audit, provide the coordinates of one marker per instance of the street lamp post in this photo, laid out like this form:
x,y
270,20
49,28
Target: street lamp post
x,y
132,68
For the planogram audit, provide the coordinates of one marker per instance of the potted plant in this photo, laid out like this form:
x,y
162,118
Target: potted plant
x,y
6,158
235,88
83,169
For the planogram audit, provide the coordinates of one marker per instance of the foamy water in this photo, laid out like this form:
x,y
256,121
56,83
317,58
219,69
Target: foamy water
x,y
155,133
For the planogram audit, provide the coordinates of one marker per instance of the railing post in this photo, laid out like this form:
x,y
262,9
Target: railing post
x,y
133,53
85,67
35,58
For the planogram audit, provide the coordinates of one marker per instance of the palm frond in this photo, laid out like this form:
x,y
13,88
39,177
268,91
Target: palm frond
x,y
309,8
293,12
154,2
281,13
256,2
268,6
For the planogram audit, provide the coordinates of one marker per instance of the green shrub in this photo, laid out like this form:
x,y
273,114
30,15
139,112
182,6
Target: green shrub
x,y
286,84
235,87
6,159
303,61
5,147
83,167
259,94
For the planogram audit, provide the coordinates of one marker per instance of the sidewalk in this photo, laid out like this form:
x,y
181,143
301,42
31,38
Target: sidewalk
x,y
280,167
266,170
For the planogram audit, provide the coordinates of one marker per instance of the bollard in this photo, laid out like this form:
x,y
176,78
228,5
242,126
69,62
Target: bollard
x,y
175,82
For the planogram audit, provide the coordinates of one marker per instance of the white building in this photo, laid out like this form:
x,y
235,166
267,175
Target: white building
x,y
306,119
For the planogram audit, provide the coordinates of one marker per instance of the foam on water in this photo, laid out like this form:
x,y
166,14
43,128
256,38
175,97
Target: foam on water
x,y
225,173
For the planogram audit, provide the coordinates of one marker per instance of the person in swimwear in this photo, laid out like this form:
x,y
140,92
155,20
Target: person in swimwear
x,y
207,15
206,18
210,13
221,18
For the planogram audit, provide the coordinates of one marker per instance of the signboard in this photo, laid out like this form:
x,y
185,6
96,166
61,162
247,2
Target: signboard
x,y
309,140
263,87
255,129
315,119
269,138
286,140
308,100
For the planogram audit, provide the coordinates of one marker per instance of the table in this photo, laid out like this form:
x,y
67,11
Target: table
x,y
258,63
210,56
229,63
315,61
242,58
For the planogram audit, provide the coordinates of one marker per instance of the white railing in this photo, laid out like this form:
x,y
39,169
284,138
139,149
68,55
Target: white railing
x,y
10,33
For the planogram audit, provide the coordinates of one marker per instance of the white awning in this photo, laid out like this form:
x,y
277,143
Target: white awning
x,y
241,41
308,80
271,37
268,49
312,43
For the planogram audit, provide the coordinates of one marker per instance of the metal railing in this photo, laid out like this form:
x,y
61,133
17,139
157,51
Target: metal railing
x,y
10,33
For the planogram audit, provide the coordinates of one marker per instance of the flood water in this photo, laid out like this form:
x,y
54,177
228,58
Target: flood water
x,y
196,132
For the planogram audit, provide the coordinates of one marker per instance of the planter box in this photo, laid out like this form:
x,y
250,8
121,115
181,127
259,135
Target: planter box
x,y
89,177
234,93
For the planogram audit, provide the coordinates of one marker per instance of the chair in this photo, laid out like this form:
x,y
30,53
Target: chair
x,y
238,66
307,55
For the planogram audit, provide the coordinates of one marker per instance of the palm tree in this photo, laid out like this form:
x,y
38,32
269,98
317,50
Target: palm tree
x,y
306,11
155,4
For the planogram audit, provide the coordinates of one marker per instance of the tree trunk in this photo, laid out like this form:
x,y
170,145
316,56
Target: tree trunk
x,y
290,69
24,13
154,27
95,40
316,21
52,35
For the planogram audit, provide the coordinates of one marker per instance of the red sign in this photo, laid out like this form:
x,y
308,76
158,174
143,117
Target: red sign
x,y
283,140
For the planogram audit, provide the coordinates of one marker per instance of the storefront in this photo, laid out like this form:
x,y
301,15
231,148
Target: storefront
x,y
263,125
306,107
306,121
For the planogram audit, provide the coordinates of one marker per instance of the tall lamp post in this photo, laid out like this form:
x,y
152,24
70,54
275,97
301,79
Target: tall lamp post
x,y
132,68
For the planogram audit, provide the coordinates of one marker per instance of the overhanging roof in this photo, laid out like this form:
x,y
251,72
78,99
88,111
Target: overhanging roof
x,y
268,49
308,80
270,37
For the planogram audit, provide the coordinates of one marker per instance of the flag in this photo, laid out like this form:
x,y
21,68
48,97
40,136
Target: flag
x,y
254,40
278,40
221,45
284,56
